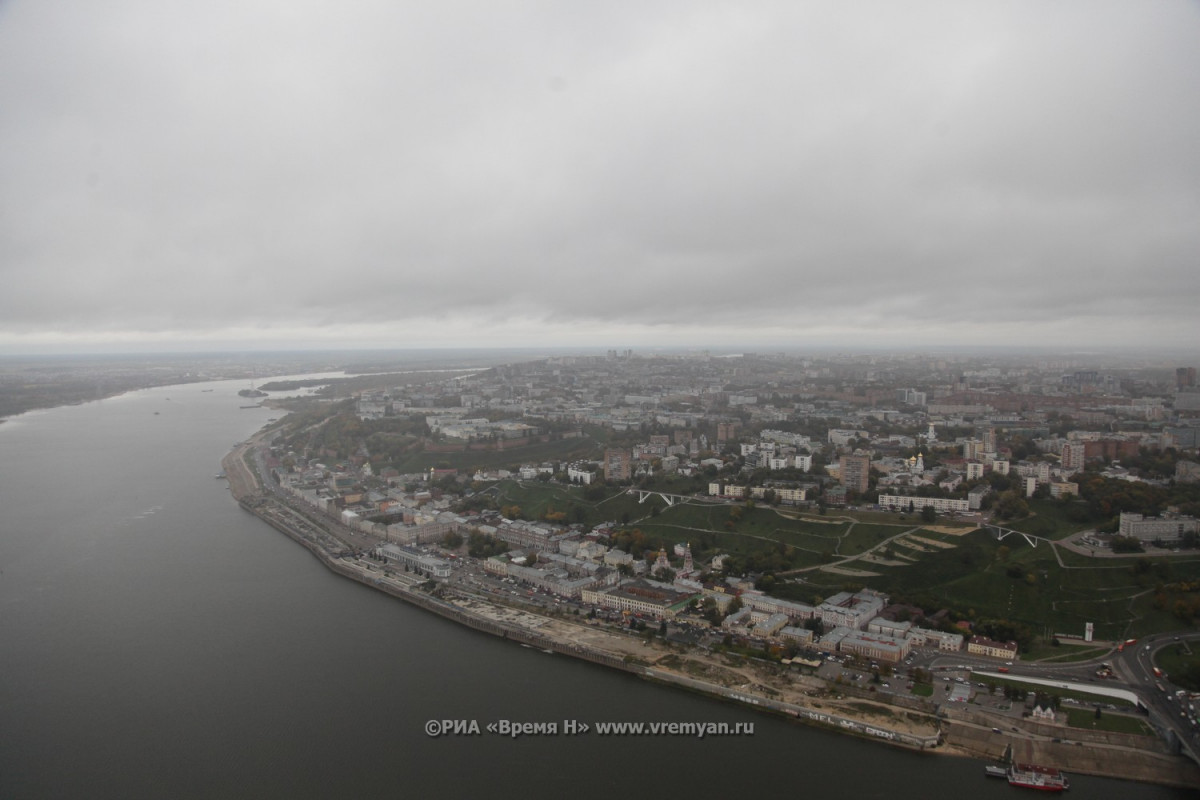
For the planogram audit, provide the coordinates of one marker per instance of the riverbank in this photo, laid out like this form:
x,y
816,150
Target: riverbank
x,y
911,723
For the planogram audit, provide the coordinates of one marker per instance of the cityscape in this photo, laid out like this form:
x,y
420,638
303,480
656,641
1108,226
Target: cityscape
x,y
791,530
599,399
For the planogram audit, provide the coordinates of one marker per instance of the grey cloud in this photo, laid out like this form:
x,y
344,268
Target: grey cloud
x,y
203,167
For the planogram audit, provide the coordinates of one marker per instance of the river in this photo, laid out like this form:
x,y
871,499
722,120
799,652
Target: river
x,y
159,642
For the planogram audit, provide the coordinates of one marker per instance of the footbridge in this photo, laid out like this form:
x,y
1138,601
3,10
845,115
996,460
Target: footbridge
x,y
668,498
1000,533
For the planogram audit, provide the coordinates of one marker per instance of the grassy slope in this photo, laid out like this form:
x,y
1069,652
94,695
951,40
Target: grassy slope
x,y
561,450
972,575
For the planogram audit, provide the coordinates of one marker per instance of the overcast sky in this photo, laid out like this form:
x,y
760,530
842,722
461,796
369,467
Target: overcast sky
x,y
421,174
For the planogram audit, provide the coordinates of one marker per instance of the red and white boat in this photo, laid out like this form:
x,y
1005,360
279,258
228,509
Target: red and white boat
x,y
1032,776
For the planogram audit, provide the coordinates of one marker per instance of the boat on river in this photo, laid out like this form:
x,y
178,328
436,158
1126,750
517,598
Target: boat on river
x,y
1033,776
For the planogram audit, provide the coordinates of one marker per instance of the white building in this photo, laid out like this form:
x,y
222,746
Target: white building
x,y
976,495
877,646
758,601
581,472
851,610
415,560
801,635
771,625
942,505
842,437
615,558
1147,529
927,637
889,628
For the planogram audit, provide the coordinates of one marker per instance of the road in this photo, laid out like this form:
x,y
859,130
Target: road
x,y
1133,665
1133,668
1136,665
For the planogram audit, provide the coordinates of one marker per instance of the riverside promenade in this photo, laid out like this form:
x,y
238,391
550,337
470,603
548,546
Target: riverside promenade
x,y
917,725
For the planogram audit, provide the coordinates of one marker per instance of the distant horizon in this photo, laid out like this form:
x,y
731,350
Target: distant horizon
x,y
723,350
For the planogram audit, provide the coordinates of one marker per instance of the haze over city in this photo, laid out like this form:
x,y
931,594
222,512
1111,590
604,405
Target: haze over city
x,y
278,176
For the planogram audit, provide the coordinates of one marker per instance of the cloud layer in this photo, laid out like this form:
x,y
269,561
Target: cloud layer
x,y
421,174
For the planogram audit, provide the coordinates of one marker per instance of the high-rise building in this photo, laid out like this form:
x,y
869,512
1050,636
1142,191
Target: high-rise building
x,y
618,465
1073,455
856,472
1185,377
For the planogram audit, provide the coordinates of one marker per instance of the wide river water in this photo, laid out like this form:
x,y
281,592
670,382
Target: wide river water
x,y
156,641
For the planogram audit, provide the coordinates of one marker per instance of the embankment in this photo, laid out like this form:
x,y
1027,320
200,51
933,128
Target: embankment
x,y
966,733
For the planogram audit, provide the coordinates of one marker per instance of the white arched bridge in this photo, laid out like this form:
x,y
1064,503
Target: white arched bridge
x,y
668,498
1001,533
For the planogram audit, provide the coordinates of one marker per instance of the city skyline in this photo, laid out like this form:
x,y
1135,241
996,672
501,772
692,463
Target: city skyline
x,y
784,176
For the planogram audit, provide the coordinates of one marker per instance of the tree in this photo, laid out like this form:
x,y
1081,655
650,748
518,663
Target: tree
x,y
1126,544
709,610
928,514
1011,506
480,545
